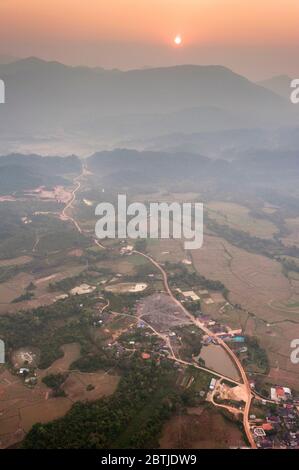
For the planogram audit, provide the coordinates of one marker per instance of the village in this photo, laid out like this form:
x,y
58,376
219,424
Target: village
x,y
153,328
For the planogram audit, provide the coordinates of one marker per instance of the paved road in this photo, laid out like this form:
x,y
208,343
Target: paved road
x,y
69,205
200,325
232,355
64,215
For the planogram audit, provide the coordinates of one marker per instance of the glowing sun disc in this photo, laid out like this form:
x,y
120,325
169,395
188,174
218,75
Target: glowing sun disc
x,y
178,40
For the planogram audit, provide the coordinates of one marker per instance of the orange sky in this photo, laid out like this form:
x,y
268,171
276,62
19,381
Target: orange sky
x,y
135,33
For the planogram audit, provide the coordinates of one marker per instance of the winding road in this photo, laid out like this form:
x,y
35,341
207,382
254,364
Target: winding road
x,y
232,355
195,321
64,215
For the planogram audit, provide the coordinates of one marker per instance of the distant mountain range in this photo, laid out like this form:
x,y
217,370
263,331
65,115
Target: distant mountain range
x,y
20,172
257,171
274,173
281,85
52,101
229,144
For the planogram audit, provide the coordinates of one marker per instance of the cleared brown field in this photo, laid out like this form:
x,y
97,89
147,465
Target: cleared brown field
x,y
71,354
16,286
16,261
43,412
238,217
254,281
13,288
201,428
76,385
75,388
25,356
15,396
125,265
166,250
21,406
259,286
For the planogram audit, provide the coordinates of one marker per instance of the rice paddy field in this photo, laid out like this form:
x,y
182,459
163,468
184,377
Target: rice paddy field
x,y
239,217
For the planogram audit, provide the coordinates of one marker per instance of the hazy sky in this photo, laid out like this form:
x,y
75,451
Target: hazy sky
x,y
258,38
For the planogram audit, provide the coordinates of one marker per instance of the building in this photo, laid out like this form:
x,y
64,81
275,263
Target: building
x,y
213,384
280,393
145,356
127,249
267,427
238,339
191,295
259,432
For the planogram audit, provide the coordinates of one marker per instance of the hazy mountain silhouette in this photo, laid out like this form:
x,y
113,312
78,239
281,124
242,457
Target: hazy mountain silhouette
x,y
257,170
228,144
19,172
51,99
279,85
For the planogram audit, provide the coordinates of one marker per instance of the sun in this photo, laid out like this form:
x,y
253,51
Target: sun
x,y
178,40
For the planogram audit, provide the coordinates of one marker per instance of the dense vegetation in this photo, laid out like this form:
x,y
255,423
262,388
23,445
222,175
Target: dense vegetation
x,y
103,359
20,172
257,359
289,265
17,238
191,341
131,418
184,277
55,381
38,328
27,296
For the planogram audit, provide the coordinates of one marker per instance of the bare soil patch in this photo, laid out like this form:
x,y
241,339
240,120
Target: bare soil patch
x,y
16,261
22,406
207,429
103,384
259,286
159,311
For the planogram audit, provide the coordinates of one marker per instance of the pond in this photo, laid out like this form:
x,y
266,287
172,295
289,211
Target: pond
x,y
217,359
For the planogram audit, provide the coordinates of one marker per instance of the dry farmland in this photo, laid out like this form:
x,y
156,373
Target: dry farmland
x,y
22,406
166,250
15,287
259,286
200,428
254,281
238,217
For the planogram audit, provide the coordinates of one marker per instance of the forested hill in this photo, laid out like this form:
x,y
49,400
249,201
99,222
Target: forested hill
x,y
19,172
